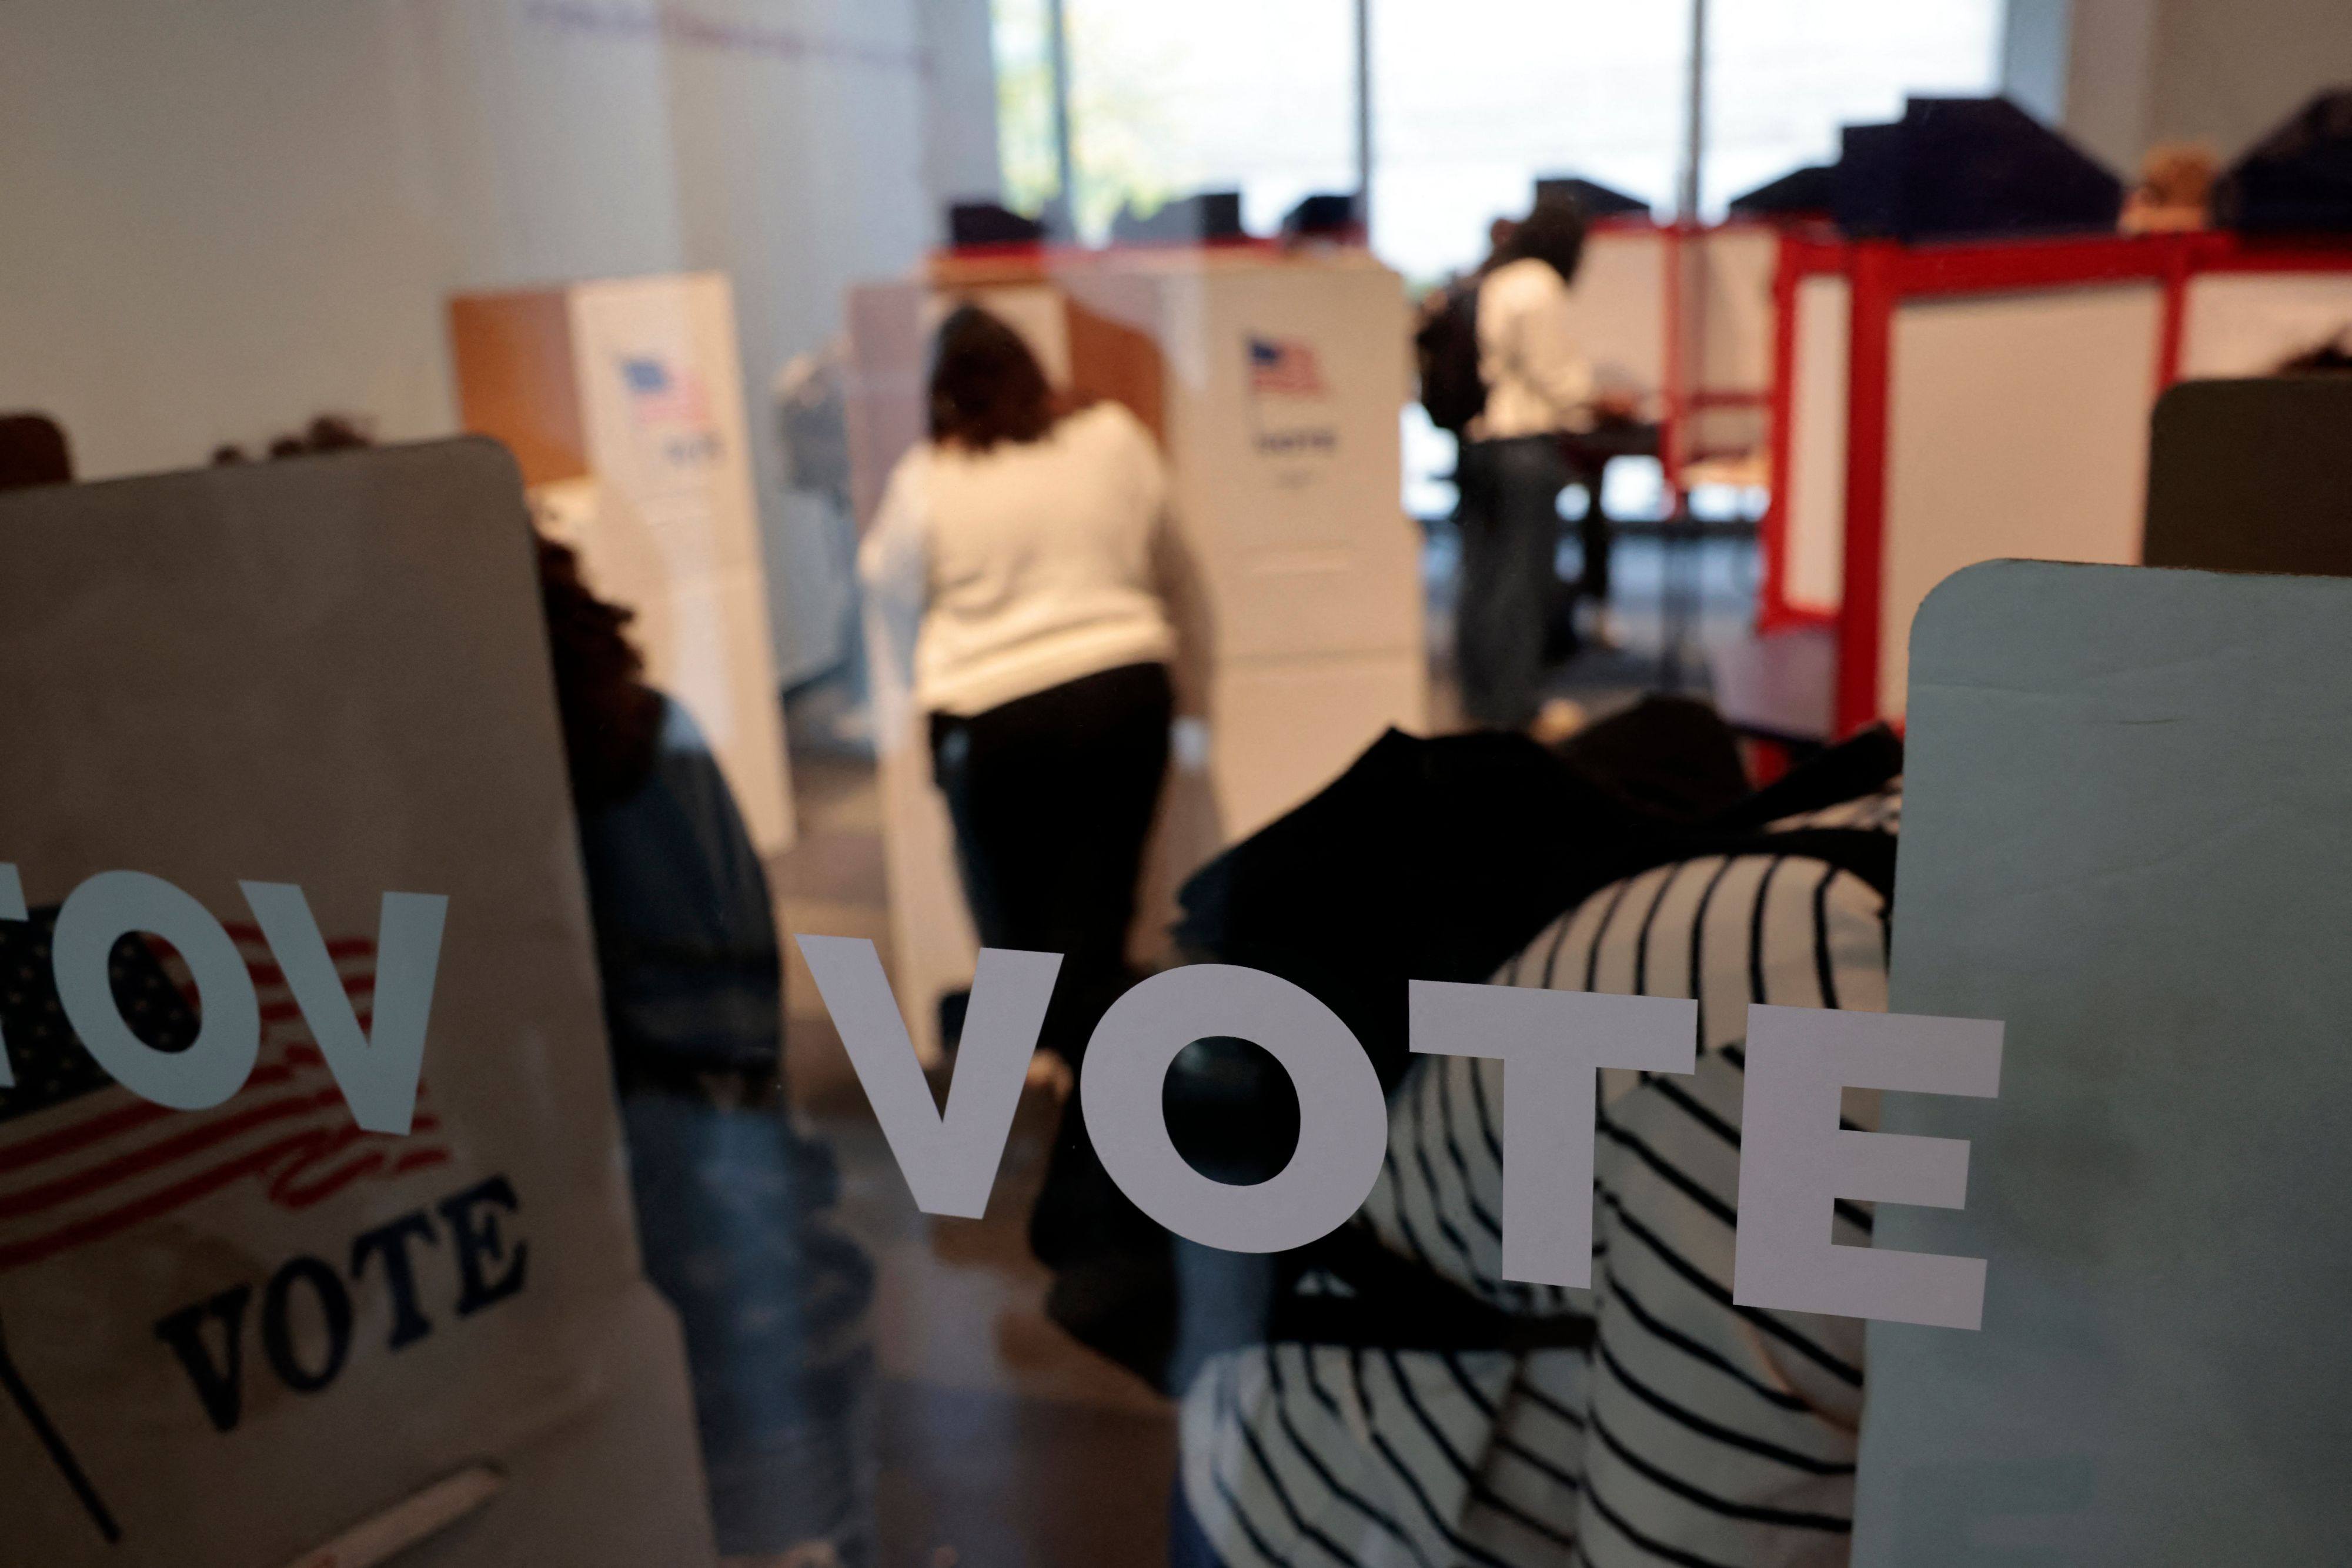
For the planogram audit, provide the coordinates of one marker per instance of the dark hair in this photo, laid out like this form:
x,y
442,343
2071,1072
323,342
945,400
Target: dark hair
x,y
986,386
32,451
2333,357
1553,234
612,719
325,432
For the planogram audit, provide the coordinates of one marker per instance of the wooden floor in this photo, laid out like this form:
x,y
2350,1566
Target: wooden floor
x,y
1002,1441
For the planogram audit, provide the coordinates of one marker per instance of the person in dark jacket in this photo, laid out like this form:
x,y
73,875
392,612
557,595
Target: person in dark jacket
x,y
729,1198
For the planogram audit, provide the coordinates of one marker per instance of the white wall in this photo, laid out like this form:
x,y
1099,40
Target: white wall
x,y
2033,56
219,219
960,158
2227,71
2123,75
223,218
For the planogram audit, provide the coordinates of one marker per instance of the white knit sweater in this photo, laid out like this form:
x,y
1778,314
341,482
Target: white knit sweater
x,y
1030,563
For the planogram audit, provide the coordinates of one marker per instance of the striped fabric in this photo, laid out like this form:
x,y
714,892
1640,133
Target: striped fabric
x,y
1693,1431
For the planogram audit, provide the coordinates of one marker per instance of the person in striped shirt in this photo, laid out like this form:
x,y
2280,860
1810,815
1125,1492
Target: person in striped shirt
x,y
1645,1420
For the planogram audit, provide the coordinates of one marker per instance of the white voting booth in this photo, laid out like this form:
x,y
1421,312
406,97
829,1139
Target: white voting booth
x,y
623,402
247,1333
1303,626
1940,405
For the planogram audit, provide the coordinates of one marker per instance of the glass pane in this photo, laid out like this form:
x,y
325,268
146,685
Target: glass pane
x,y
1784,75
1255,96
741,830
1476,100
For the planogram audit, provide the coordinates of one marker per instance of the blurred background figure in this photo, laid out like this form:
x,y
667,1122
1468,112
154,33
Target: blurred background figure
x,y
325,432
2175,190
729,1197
1538,383
32,451
1025,541
817,587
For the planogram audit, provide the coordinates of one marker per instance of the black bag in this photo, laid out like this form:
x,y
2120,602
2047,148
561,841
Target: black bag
x,y
1445,354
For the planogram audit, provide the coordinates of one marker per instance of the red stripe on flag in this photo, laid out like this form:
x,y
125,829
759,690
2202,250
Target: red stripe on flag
x,y
305,1166
99,1177
98,1227
66,1140
286,1195
127,1118
337,946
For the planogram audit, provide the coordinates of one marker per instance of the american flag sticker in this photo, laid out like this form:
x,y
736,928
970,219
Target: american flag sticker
x,y
1284,367
83,1159
660,395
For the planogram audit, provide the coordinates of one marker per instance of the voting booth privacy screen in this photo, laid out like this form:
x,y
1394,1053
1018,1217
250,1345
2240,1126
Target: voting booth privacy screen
x,y
1938,405
2157,1376
286,790
622,403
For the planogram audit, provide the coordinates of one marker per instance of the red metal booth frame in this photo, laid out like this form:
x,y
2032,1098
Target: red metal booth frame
x,y
1881,275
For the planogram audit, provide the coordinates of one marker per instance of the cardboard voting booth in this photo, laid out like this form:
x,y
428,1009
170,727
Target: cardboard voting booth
x,y
623,402
246,1332
2128,829
1273,382
1938,405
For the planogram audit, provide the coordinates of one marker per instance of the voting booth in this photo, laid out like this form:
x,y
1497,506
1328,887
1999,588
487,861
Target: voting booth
x,y
2125,836
264,720
1273,380
1938,405
622,403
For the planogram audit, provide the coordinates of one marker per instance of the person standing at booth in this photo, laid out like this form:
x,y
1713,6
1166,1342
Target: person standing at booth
x,y
1027,538
1539,384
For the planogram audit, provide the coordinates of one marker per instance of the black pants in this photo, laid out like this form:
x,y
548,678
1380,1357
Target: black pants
x,y
1510,536
1053,796
1596,532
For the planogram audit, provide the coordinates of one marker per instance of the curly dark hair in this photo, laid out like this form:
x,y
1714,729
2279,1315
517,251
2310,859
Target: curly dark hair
x,y
32,451
986,386
1553,234
325,432
612,719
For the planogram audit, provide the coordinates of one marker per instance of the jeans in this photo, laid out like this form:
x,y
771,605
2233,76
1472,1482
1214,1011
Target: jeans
x,y
1510,519
772,1299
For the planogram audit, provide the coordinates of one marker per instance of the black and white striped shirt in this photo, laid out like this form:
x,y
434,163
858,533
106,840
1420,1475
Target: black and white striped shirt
x,y
1693,1431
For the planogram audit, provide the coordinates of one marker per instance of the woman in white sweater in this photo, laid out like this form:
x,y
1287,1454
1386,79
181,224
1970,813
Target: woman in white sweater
x,y
1028,535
